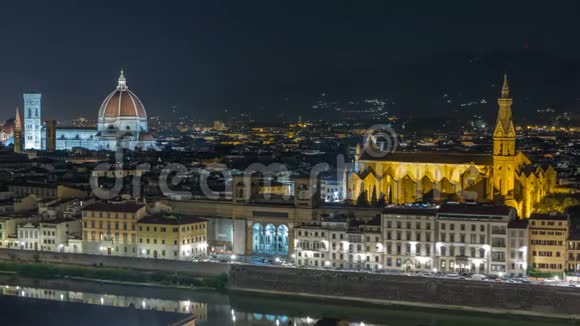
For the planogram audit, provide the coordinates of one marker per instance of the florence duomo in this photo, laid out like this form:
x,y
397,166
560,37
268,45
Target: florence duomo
x,y
122,123
506,175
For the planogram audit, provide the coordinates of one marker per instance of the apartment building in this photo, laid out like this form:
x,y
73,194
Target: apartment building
x,y
409,235
55,234
111,228
473,237
518,247
573,264
172,236
9,228
322,243
28,236
339,242
548,242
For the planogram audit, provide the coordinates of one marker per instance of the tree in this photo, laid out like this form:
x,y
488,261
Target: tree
x,y
362,201
373,202
382,200
557,203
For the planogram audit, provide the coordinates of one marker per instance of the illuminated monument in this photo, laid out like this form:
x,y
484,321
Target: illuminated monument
x,y
122,123
505,176
32,124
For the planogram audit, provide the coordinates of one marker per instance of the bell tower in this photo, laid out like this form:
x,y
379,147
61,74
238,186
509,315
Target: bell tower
x,y
18,132
504,145
32,125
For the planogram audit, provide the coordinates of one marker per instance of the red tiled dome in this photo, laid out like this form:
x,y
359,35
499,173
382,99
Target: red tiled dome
x,y
8,126
122,103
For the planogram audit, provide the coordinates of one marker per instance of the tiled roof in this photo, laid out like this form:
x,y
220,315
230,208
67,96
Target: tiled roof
x,y
557,217
171,219
474,209
432,157
429,211
127,207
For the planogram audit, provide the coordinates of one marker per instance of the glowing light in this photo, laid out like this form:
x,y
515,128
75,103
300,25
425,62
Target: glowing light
x,y
102,301
62,296
143,304
233,257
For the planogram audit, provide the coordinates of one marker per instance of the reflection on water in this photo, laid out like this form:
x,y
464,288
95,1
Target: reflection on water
x,y
155,306
198,309
187,306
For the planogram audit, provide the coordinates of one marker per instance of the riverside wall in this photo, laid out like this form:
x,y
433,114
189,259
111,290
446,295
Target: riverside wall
x,y
164,265
526,299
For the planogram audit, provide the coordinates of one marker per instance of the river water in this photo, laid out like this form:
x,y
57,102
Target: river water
x,y
74,302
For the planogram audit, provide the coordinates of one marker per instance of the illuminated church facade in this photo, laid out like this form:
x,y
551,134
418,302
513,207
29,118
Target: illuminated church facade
x,y
504,176
122,123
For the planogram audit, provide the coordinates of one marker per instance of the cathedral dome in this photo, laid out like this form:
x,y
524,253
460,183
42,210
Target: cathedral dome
x,y
122,103
8,126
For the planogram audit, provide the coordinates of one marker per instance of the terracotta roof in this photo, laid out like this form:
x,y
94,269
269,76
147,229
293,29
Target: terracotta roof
x,y
171,219
557,217
127,207
428,211
474,209
122,103
432,157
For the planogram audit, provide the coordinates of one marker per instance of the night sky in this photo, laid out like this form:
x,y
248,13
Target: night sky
x,y
207,56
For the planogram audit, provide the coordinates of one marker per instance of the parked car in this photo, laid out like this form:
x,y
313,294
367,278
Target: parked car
x,y
478,277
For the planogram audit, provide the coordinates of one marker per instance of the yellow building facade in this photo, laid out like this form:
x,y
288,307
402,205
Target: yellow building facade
x,y
110,228
548,237
172,236
506,175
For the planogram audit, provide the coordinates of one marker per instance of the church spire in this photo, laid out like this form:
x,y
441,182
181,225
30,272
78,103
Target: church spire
x,y
17,135
505,134
18,120
122,81
505,89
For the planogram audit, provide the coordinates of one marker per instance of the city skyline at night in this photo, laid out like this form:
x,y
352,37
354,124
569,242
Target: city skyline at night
x,y
210,59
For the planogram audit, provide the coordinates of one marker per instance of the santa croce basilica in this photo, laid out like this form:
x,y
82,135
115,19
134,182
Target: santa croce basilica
x,y
505,175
